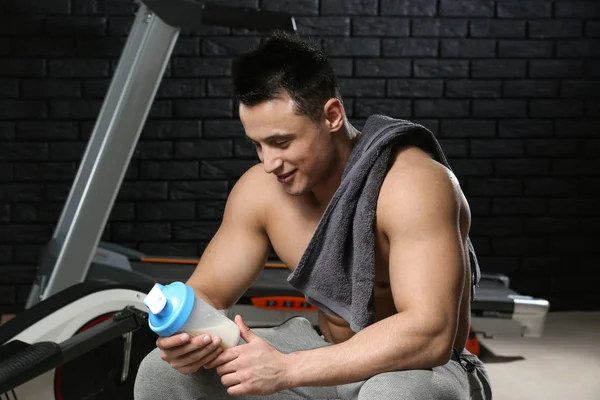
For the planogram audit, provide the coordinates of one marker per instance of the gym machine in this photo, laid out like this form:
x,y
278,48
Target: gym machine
x,y
84,331
496,310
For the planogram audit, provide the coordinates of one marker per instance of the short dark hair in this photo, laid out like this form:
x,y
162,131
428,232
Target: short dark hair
x,y
284,61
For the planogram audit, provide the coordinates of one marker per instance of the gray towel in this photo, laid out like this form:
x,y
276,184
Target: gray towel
x,y
336,270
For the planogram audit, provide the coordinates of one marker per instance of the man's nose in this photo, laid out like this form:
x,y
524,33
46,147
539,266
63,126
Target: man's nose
x,y
271,162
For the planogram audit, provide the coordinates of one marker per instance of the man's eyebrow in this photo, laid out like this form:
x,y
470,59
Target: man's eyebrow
x,y
275,136
279,136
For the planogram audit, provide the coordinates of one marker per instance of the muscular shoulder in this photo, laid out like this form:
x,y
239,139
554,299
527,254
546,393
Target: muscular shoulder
x,y
253,181
418,189
252,193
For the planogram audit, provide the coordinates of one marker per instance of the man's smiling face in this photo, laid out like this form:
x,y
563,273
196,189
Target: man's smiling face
x,y
294,148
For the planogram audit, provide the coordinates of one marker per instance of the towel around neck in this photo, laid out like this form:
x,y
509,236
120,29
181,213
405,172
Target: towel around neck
x,y
336,270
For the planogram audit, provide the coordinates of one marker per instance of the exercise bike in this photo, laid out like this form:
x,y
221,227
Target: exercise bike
x,y
84,330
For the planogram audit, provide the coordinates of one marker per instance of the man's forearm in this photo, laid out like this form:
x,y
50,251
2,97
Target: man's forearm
x,y
397,343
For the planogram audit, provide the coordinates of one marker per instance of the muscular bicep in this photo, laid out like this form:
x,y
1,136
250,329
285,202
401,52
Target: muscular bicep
x,y
236,255
427,253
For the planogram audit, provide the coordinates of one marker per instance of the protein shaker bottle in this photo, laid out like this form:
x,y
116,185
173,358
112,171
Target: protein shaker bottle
x,y
175,308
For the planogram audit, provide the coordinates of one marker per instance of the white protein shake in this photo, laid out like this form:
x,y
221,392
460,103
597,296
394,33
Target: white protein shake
x,y
228,333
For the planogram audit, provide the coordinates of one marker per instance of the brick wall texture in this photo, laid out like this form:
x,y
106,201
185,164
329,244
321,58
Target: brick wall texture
x,y
510,88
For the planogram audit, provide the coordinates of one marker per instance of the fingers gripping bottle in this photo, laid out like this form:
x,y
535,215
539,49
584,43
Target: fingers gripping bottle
x,y
175,308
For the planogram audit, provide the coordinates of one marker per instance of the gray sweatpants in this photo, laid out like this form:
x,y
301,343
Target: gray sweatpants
x,y
463,377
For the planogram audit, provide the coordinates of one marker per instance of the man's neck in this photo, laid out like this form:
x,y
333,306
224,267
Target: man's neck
x,y
324,191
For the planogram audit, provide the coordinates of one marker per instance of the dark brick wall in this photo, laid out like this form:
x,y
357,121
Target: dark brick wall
x,y
511,88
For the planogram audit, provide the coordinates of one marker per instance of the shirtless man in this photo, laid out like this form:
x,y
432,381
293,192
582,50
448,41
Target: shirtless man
x,y
292,112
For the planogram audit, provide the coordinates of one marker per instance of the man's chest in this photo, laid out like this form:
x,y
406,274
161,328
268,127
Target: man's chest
x,y
290,232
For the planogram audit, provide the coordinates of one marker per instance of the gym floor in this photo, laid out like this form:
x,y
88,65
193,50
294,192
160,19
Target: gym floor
x,y
563,364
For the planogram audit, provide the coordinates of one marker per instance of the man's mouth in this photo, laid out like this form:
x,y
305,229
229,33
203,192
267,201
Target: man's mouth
x,y
285,177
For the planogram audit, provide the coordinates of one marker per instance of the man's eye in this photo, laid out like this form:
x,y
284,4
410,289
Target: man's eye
x,y
282,143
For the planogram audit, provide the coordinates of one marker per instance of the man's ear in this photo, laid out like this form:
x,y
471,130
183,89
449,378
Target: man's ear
x,y
333,113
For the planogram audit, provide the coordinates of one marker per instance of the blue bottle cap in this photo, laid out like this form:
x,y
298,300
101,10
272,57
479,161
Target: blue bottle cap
x,y
169,306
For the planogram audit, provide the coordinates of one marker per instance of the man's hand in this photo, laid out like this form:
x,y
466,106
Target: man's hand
x,y
254,368
188,354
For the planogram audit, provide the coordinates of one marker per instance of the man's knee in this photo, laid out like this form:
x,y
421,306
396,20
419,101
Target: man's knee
x,y
152,377
414,385
394,385
157,380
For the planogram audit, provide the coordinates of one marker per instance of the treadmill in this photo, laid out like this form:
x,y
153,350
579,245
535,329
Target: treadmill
x,y
496,309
